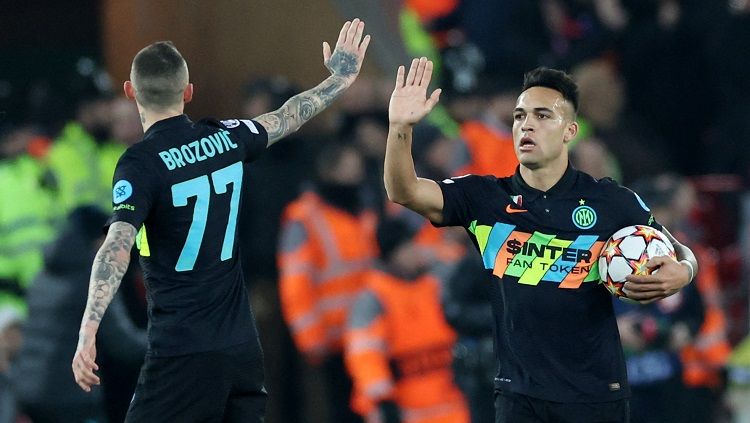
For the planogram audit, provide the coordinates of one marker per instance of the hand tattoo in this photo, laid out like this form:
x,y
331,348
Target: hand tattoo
x,y
343,64
109,267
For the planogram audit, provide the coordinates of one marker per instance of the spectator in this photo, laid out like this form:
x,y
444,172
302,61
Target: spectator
x,y
635,149
593,157
327,245
398,350
672,198
25,226
41,376
10,342
487,135
652,337
469,312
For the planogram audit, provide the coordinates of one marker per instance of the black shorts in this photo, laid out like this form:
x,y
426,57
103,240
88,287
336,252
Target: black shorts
x,y
214,386
516,408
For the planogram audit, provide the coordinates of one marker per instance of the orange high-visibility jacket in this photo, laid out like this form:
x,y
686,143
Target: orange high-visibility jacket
x,y
704,358
491,150
398,347
443,250
324,255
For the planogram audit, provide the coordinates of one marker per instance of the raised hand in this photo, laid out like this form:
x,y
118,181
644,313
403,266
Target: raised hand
x,y
409,102
347,56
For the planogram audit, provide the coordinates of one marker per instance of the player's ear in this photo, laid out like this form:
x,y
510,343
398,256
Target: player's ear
x,y
571,130
129,90
187,95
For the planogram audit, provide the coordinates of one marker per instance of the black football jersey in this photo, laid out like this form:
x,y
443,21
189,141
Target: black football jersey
x,y
181,187
556,331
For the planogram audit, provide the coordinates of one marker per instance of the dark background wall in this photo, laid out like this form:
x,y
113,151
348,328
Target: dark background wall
x,y
226,42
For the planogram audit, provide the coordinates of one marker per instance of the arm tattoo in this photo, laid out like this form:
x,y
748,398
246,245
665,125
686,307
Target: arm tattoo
x,y
301,108
109,267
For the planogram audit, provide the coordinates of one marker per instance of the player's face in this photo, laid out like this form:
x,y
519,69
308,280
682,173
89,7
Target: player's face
x,y
542,125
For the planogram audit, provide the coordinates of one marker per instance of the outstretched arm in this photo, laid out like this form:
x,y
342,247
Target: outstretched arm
x,y
672,276
344,64
109,267
409,104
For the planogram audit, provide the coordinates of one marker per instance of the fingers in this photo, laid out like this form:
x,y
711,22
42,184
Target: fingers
x,y
342,34
355,31
351,36
412,72
657,261
427,74
433,100
641,279
351,33
90,363
400,77
420,70
83,369
365,43
326,52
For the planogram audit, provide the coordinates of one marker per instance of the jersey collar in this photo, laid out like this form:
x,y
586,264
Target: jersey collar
x,y
564,184
171,122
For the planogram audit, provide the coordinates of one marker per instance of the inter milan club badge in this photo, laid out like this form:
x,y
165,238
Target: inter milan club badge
x,y
584,217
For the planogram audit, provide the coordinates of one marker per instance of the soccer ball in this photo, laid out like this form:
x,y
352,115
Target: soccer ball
x,y
626,253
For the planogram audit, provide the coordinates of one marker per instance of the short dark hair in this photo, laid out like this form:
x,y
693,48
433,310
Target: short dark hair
x,y
391,233
159,74
330,156
553,79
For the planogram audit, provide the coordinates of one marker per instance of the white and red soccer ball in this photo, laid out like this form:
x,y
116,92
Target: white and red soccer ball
x,y
627,252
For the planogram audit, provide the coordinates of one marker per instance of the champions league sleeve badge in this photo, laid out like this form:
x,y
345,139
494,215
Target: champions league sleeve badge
x,y
231,123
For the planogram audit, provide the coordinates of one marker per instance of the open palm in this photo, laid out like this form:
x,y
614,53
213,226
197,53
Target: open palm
x,y
349,52
409,101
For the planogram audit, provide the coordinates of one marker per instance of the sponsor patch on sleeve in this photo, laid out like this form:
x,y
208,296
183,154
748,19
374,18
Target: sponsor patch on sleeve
x,y
122,191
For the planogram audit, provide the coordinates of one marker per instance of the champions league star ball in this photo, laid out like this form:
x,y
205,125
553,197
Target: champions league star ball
x,y
627,252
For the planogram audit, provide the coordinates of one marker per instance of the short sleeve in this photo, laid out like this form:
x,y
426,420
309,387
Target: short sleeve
x,y
250,133
461,197
635,210
132,190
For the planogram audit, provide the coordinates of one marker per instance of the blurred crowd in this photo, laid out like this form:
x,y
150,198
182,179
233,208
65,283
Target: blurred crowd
x,y
367,312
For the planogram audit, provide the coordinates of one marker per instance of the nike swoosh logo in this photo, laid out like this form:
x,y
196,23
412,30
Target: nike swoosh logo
x,y
508,209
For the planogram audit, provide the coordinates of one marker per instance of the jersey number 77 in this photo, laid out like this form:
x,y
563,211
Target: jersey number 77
x,y
201,189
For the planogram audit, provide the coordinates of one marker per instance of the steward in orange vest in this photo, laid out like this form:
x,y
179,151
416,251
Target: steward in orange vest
x,y
487,132
398,346
327,245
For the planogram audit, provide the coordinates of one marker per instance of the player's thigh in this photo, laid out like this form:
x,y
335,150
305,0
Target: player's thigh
x,y
516,408
247,396
187,388
604,412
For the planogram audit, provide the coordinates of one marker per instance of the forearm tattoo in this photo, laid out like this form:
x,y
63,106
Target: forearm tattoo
x,y
344,66
109,267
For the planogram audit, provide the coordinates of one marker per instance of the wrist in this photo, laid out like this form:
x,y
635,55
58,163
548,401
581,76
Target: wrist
x,y
691,269
400,126
345,81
